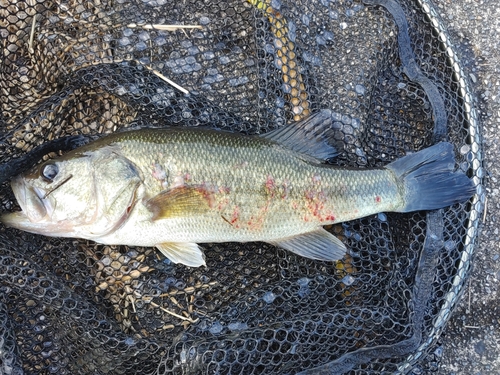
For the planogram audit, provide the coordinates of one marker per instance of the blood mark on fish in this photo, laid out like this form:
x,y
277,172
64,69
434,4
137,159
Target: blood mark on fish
x,y
160,174
316,204
270,185
236,215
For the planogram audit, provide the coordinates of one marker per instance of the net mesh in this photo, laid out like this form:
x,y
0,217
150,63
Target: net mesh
x,y
71,306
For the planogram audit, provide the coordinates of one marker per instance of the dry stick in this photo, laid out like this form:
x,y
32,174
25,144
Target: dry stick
x,y
32,35
157,73
173,314
466,326
485,209
163,27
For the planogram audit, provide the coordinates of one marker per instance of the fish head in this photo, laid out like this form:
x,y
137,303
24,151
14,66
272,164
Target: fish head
x,y
82,195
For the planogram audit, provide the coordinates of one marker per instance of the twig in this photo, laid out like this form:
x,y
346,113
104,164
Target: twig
x,y
173,314
32,35
485,209
157,73
131,299
163,27
469,298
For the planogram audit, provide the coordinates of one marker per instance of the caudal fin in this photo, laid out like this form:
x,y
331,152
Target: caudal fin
x,y
429,179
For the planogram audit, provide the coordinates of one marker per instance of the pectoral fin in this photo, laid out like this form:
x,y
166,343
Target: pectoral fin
x,y
319,245
186,253
180,201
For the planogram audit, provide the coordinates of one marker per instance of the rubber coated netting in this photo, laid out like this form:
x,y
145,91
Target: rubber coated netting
x,y
390,77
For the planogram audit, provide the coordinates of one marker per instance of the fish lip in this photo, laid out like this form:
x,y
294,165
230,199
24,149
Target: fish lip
x,y
31,200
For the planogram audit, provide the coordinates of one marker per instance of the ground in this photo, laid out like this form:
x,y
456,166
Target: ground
x,y
471,340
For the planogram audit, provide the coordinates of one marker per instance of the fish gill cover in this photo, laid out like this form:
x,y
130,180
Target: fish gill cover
x,y
392,80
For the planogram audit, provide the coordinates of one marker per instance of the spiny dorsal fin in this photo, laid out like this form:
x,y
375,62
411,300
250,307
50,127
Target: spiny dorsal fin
x,y
180,201
307,136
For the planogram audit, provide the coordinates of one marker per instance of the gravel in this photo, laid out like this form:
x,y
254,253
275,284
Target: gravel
x,y
471,340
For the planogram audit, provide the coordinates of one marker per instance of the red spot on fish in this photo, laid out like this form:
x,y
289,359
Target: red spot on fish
x,y
321,196
378,199
286,189
270,185
309,194
330,218
236,215
159,172
315,203
207,194
223,204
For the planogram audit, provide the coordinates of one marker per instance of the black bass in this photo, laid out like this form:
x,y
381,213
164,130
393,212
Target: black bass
x,y
174,188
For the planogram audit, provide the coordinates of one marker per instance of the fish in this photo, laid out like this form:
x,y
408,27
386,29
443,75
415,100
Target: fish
x,y
174,188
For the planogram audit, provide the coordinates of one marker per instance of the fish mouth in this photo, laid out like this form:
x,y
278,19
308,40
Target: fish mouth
x,y
33,205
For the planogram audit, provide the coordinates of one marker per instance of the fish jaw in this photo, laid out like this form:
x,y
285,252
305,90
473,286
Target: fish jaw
x,y
31,199
36,211
20,221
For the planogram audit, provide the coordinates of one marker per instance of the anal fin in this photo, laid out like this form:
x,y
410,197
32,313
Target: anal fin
x,y
186,253
319,245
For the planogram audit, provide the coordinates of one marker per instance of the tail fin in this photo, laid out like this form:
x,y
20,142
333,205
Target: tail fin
x,y
429,179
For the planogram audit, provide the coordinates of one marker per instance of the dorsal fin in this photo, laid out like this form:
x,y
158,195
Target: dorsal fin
x,y
306,136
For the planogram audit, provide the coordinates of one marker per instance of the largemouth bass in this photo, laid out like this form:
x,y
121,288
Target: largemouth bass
x,y
174,188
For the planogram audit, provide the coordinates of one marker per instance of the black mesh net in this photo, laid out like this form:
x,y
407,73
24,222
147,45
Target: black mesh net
x,y
394,84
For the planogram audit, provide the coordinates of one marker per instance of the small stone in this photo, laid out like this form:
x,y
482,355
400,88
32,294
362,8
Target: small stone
x,y
480,348
269,297
305,19
204,21
348,280
360,89
216,328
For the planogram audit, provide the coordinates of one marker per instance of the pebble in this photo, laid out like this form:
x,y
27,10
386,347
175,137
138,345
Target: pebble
x,y
348,280
292,31
237,326
238,81
305,18
480,347
269,297
360,89
216,328
204,21
276,4
333,15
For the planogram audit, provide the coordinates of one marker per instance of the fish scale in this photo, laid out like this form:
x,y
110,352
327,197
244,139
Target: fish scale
x,y
253,174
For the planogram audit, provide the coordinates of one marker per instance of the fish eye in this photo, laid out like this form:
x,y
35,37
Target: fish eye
x,y
49,172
